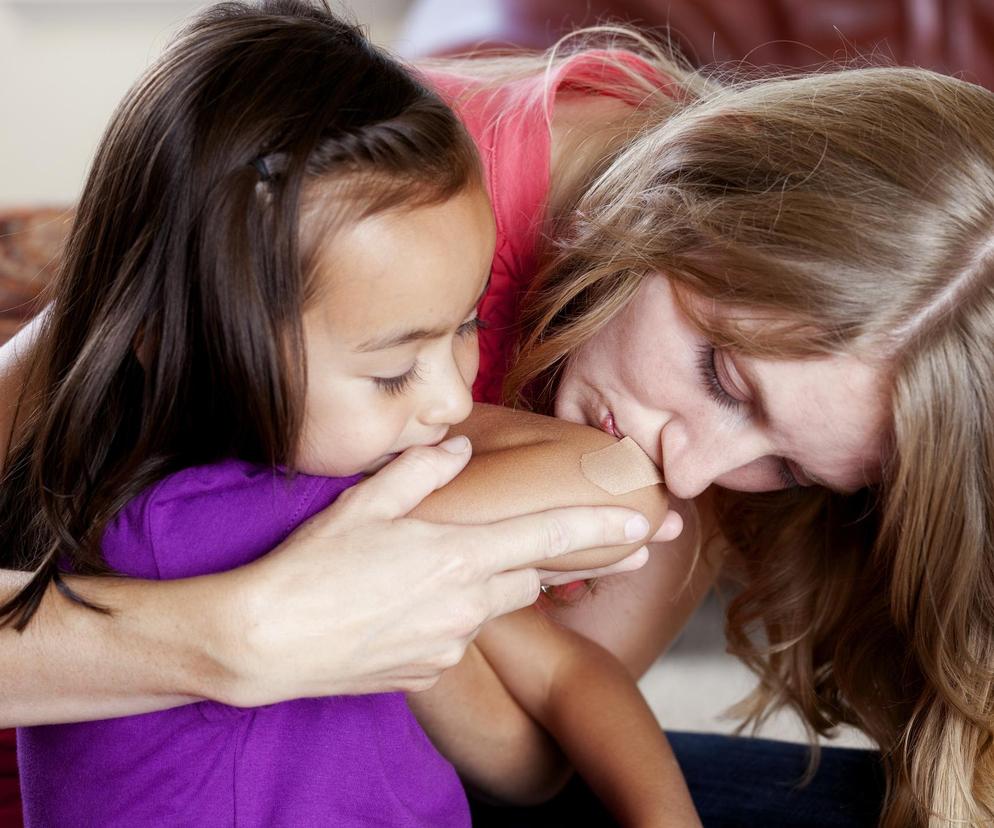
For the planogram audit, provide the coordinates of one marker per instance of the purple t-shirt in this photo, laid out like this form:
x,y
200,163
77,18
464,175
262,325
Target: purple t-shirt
x,y
342,761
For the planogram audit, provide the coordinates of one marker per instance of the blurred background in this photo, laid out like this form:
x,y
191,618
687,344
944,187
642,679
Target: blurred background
x,y
66,63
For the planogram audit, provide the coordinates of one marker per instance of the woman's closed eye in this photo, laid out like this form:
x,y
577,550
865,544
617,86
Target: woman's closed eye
x,y
708,368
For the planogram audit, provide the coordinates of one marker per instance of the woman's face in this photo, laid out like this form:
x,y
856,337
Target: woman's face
x,y
711,416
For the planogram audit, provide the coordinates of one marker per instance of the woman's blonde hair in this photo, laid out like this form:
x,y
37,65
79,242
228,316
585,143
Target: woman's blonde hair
x,y
841,212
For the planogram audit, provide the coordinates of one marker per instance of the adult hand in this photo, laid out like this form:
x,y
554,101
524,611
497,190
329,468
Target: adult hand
x,y
670,529
361,599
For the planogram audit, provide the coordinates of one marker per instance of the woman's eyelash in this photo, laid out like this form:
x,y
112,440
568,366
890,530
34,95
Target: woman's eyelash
x,y
399,384
709,376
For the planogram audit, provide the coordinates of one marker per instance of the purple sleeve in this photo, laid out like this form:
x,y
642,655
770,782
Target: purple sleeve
x,y
213,518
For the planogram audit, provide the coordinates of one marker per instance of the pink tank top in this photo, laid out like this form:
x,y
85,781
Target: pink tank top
x,y
511,128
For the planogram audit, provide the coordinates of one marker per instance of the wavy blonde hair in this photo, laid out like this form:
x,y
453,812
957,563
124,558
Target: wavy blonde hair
x,y
856,209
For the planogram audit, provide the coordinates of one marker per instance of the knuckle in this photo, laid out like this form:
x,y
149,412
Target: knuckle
x,y
452,655
466,619
422,684
532,583
557,536
353,499
419,460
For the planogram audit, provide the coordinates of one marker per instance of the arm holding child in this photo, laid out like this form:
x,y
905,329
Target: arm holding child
x,y
248,637
526,669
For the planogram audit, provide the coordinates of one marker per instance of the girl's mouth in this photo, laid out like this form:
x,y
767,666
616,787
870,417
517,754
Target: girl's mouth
x,y
607,425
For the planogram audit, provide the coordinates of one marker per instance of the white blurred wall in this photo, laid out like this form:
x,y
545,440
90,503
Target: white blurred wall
x,y
64,65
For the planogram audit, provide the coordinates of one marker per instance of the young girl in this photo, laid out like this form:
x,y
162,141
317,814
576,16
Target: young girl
x,y
275,267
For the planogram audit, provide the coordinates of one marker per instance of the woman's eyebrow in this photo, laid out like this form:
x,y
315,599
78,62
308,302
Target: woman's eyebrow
x,y
395,338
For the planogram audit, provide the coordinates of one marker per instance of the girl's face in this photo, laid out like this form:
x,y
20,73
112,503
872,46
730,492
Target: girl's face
x,y
710,416
391,334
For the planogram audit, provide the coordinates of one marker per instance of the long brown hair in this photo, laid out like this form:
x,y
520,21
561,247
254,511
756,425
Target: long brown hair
x,y
848,212
174,337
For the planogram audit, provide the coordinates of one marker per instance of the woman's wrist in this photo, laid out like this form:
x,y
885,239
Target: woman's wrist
x,y
210,641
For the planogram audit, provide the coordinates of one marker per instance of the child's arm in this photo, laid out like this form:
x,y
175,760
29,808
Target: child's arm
x,y
592,707
525,462
521,463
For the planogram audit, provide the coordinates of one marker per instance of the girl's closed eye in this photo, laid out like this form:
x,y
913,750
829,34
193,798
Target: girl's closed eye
x,y
400,383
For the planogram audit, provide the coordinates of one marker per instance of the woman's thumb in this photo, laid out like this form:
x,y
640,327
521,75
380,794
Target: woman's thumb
x,y
403,483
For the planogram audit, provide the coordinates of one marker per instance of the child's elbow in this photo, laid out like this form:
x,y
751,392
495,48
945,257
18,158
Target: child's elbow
x,y
523,790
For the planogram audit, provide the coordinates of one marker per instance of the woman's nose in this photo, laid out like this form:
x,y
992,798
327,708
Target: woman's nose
x,y
693,459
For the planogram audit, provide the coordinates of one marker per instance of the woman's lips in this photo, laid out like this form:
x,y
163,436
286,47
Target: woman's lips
x,y
608,425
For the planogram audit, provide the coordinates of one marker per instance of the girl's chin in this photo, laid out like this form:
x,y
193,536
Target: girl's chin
x,y
378,464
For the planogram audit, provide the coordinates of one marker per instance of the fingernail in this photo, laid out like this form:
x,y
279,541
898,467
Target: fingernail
x,y
455,445
636,528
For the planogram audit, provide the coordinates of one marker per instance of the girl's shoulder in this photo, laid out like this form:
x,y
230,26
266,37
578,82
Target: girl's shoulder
x,y
212,518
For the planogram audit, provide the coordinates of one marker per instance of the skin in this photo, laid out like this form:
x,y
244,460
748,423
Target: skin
x,y
525,669
236,636
391,350
359,415
759,425
636,617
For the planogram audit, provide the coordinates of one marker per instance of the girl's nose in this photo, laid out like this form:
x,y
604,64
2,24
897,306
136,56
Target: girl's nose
x,y
694,459
449,399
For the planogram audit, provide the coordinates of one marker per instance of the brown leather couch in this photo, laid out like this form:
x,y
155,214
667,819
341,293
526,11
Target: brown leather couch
x,y
952,36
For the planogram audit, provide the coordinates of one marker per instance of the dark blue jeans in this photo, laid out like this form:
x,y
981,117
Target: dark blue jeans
x,y
736,782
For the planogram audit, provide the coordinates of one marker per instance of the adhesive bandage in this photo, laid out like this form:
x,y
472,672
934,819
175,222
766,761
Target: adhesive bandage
x,y
620,468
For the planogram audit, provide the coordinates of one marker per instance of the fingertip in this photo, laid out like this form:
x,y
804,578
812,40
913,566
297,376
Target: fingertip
x,y
670,528
636,528
456,445
638,559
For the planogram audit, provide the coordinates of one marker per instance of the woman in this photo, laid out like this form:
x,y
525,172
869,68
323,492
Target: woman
x,y
787,285
776,286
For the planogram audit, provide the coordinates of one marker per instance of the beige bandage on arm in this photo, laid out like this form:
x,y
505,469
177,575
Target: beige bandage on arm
x,y
620,468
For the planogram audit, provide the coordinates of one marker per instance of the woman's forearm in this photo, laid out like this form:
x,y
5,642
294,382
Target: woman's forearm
x,y
70,664
359,599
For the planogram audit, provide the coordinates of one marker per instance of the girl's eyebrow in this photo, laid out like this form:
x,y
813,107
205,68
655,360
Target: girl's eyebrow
x,y
396,338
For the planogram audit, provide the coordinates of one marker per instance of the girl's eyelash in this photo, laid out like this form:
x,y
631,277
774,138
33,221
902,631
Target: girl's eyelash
x,y
399,384
709,376
471,326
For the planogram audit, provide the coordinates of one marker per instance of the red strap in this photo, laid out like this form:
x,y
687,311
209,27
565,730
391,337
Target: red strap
x,y
10,792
